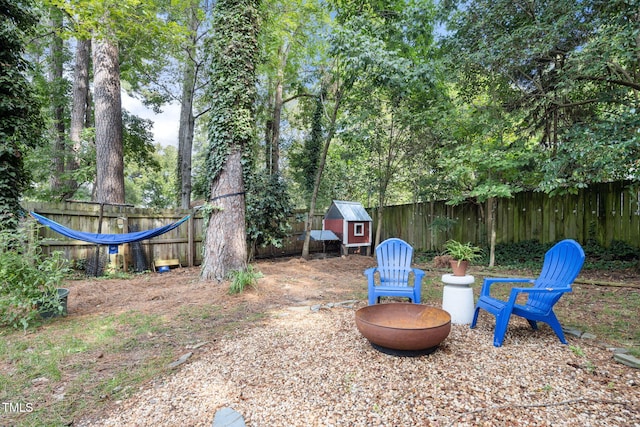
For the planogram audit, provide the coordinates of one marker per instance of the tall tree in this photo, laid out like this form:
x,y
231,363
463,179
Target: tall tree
x,y
233,49
390,104
21,124
187,119
289,37
58,101
193,84
80,108
108,120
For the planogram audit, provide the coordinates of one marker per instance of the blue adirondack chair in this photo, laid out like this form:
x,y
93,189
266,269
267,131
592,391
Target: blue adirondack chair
x,y
561,266
394,266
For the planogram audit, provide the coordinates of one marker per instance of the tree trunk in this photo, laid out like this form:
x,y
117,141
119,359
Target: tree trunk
x,y
379,226
318,178
274,143
225,248
187,119
108,117
79,108
58,101
340,91
491,202
185,135
233,50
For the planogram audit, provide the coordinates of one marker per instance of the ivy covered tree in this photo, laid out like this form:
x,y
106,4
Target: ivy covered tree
x,y
231,131
21,125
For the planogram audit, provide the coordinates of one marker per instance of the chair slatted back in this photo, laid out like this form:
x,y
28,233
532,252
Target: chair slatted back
x,y
562,264
394,262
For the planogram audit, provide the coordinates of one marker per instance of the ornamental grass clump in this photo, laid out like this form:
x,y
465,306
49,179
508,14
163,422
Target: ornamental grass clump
x,y
241,279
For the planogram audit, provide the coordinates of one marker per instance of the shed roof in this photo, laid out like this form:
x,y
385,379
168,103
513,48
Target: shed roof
x,y
349,211
320,235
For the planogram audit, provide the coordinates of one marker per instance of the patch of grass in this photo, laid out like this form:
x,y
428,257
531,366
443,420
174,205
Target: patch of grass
x,y
60,360
242,279
199,312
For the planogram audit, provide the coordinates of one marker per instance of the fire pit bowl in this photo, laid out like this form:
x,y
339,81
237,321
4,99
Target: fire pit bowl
x,y
403,326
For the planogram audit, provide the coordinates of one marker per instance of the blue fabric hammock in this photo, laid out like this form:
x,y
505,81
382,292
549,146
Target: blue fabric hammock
x,y
106,239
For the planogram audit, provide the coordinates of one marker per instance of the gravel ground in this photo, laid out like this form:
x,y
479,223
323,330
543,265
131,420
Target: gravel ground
x,y
306,368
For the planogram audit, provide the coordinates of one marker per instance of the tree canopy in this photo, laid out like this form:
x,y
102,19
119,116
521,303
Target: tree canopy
x,y
379,102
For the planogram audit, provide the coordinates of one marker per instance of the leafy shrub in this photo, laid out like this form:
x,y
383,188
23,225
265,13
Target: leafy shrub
x,y
29,281
530,254
527,253
268,211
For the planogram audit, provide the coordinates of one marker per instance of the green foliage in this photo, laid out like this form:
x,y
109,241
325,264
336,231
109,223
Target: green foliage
x,y
21,125
233,90
530,254
564,73
152,183
241,279
577,350
462,251
305,161
28,280
527,253
268,211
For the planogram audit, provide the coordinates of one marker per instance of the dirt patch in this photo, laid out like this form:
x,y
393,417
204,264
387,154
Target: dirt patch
x,y
285,282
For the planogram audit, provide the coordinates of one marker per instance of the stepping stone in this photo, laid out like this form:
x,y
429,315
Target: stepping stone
x,y
227,417
627,359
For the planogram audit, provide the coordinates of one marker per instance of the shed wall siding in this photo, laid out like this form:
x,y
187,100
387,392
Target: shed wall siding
x,y
334,225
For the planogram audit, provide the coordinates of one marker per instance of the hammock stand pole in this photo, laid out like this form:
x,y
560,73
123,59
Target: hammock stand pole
x,y
96,262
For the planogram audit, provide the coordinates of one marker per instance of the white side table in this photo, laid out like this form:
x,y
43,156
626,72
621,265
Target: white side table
x,y
457,298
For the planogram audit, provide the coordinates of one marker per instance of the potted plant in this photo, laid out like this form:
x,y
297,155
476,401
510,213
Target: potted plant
x,y
30,282
462,254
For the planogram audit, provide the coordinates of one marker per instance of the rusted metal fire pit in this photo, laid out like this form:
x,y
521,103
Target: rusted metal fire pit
x,y
403,328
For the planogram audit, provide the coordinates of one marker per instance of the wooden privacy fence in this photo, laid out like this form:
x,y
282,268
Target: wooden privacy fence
x,y
603,212
183,243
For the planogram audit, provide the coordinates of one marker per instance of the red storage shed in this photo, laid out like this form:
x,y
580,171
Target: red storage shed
x,y
352,224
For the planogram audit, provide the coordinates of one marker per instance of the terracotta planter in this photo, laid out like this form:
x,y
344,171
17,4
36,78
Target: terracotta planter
x,y
459,267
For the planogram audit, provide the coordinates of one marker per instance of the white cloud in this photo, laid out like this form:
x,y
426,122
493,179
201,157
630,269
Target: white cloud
x,y
165,124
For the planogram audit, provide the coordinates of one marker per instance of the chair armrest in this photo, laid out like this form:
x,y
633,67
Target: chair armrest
x,y
517,291
370,273
417,276
539,290
489,281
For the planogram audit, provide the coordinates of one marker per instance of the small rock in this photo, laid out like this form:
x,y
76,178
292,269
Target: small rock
x,y
627,359
573,332
181,360
198,345
588,336
316,307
